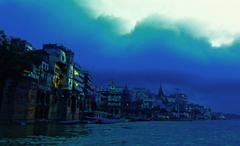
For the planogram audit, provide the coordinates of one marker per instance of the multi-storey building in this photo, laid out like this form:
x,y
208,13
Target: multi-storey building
x,y
46,84
18,94
28,99
114,100
87,101
181,102
61,64
111,100
126,102
138,94
78,85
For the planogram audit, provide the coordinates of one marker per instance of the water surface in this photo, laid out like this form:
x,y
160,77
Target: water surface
x,y
197,133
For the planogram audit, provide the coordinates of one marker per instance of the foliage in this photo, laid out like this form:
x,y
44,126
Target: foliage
x,y
13,61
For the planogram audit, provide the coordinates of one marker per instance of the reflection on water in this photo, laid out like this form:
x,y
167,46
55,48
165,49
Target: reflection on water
x,y
46,134
199,133
16,131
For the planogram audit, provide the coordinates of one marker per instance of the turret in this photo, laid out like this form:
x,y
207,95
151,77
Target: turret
x,y
161,92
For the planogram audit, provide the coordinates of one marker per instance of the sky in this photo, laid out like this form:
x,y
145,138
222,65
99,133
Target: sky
x,y
188,44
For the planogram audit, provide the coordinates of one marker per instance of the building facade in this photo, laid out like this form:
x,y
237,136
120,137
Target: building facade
x,y
61,64
51,87
111,100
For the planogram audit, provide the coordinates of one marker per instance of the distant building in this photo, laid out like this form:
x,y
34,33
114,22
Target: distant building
x,y
198,112
181,99
126,102
161,95
111,100
140,93
138,96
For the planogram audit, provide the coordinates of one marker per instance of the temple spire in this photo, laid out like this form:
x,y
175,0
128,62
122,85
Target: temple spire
x,y
160,91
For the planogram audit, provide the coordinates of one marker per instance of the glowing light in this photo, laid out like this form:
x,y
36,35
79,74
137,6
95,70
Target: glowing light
x,y
219,42
76,73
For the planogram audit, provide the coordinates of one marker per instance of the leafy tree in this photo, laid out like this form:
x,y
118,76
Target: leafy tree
x,y
13,61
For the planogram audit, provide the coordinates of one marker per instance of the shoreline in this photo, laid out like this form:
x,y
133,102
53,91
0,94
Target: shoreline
x,y
79,122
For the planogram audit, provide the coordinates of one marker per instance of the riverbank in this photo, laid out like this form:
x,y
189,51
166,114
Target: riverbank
x,y
97,121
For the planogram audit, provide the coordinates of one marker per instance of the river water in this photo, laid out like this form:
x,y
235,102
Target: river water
x,y
197,133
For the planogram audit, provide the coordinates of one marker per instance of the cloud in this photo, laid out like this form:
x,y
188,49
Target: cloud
x,y
217,18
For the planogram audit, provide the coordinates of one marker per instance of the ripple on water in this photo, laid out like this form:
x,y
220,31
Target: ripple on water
x,y
209,133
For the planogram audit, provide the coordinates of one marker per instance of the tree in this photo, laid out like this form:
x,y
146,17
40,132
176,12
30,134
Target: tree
x,y
14,61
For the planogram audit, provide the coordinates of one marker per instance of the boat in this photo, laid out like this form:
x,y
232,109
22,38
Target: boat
x,y
69,122
108,121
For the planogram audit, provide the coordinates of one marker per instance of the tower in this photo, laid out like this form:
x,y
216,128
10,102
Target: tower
x,y
161,92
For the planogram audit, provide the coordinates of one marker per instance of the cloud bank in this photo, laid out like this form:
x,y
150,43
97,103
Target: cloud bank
x,y
215,20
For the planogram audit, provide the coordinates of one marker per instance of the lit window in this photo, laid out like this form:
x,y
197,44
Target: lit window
x,y
76,73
